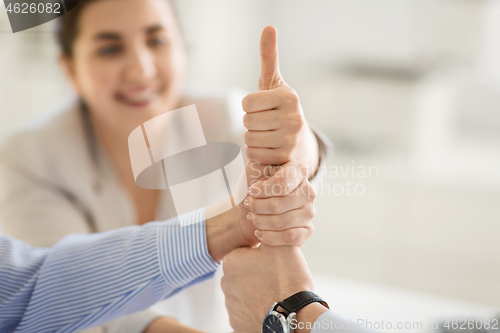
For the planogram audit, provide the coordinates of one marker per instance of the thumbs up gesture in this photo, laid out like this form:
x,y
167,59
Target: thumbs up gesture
x,y
277,129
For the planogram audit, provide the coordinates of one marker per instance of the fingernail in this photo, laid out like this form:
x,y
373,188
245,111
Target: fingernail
x,y
249,217
252,191
258,233
247,203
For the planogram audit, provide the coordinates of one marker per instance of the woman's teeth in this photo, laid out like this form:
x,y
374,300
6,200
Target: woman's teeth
x,y
139,98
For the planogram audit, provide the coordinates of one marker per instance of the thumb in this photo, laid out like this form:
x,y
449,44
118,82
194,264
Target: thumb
x,y
270,76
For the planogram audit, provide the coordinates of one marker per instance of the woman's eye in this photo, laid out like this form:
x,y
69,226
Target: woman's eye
x,y
109,50
157,41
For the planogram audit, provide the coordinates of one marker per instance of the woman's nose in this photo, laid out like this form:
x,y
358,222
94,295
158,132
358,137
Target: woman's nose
x,y
140,66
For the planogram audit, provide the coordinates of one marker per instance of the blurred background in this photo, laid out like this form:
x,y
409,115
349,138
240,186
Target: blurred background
x,y
409,90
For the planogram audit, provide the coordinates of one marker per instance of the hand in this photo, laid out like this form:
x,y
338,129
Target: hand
x,y
277,129
255,278
280,207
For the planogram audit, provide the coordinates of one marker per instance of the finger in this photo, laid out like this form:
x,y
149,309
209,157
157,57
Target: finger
x,y
263,100
265,139
293,236
270,76
256,172
289,177
275,203
268,155
293,219
263,121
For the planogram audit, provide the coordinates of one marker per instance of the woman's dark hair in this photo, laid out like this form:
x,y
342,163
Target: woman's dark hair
x,y
67,26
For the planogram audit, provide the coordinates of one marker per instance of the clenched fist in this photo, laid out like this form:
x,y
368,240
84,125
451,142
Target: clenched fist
x,y
280,206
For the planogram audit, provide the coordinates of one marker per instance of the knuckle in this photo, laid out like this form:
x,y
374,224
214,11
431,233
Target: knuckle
x,y
247,121
248,138
302,236
304,169
311,191
311,211
312,195
291,96
290,237
291,140
246,102
251,154
310,230
296,122
284,155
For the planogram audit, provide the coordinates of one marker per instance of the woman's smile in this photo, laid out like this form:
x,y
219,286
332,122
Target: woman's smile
x,y
138,97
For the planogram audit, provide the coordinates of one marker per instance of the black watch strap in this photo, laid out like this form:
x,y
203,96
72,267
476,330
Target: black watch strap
x,y
296,302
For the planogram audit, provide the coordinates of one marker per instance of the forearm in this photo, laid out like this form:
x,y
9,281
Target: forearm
x,y
87,280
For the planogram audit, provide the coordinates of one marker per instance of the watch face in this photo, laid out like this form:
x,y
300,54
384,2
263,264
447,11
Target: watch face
x,y
273,324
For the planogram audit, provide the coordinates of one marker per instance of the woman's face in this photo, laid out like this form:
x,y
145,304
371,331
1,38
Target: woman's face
x,y
128,61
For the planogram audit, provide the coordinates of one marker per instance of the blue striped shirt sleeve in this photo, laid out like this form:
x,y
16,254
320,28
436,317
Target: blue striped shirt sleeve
x,y
87,280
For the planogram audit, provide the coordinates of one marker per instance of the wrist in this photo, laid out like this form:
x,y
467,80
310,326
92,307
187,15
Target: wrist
x,y
223,234
307,316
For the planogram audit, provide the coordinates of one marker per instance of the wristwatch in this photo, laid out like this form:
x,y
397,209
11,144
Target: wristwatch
x,y
280,321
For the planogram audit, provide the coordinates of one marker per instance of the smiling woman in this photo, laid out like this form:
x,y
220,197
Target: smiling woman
x,y
71,173
126,59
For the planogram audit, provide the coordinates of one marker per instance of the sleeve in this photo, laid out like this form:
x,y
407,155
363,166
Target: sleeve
x,y
37,212
330,322
325,147
87,280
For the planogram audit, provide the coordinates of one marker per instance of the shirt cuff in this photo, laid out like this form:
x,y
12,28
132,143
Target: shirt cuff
x,y
183,254
325,147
